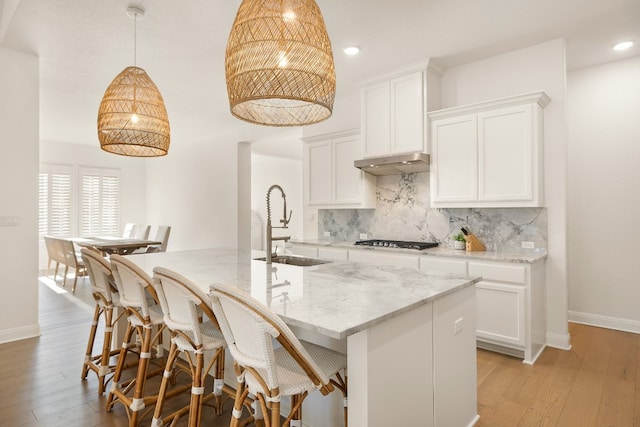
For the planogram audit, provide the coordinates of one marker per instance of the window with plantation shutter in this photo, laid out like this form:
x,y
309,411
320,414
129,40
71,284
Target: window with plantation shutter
x,y
99,202
54,201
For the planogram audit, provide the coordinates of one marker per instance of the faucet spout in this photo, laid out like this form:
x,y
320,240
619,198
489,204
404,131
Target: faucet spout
x,y
284,221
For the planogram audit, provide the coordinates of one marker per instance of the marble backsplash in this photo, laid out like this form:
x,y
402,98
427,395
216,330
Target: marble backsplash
x,y
403,213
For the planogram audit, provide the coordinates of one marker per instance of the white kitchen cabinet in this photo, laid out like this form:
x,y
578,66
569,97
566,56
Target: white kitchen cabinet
x,y
394,110
488,154
501,313
511,315
334,254
443,265
510,308
384,258
331,180
304,250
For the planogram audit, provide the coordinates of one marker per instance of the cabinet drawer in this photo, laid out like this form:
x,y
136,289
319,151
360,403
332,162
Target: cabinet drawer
x,y
384,258
333,254
500,273
447,266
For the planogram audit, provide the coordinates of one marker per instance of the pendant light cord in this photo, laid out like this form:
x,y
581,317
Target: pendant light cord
x,y
135,35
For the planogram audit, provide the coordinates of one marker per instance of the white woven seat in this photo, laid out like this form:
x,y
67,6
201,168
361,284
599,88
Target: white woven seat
x,y
107,300
136,293
185,307
294,369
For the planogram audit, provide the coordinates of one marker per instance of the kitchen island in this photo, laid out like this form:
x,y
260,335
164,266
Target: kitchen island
x,y
409,336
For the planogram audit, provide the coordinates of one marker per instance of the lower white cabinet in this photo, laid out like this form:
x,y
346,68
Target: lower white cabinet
x,y
304,250
510,306
334,254
501,313
510,298
384,258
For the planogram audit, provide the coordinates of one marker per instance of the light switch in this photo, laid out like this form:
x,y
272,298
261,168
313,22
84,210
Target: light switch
x,y
9,221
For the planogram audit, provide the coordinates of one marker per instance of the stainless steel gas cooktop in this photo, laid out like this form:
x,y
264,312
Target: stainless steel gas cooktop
x,y
397,244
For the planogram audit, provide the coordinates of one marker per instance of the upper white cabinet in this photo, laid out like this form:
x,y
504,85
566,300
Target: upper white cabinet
x,y
488,154
394,111
331,180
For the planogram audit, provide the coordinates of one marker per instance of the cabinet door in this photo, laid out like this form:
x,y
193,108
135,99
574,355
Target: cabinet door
x,y
505,154
454,168
347,182
407,113
375,120
320,172
501,313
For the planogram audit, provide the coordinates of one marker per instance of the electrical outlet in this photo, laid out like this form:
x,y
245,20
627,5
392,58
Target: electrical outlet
x,y
457,326
327,234
363,236
528,245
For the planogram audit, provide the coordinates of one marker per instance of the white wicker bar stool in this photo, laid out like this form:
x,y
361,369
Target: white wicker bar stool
x,y
294,369
107,299
185,307
138,298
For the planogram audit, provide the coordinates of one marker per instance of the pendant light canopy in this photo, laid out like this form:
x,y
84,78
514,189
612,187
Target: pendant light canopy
x,y
279,64
132,118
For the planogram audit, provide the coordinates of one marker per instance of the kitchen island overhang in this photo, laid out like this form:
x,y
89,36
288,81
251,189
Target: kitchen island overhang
x,y
410,336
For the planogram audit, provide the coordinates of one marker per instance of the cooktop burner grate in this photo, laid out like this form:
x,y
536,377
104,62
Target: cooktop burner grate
x,y
397,244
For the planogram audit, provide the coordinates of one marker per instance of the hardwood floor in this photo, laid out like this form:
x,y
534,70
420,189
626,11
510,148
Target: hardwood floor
x,y
596,383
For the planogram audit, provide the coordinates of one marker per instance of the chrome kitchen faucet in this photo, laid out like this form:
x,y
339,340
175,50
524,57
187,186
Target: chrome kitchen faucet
x,y
284,221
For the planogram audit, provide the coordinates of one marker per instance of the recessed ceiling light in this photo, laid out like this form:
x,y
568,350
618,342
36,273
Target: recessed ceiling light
x,y
352,50
622,45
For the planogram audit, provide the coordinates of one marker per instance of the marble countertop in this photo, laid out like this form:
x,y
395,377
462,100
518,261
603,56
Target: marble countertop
x,y
336,299
440,251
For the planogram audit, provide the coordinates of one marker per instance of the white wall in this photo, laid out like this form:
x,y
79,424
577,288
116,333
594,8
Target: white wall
x,y
266,171
132,178
19,121
604,199
540,67
194,189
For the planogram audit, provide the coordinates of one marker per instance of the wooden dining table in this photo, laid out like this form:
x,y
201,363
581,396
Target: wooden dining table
x,y
113,244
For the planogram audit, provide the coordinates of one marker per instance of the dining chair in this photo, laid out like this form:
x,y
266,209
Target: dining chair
x,y
194,331
107,301
162,235
139,300
63,251
136,231
271,372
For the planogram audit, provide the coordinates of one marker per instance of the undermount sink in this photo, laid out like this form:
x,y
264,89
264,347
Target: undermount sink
x,y
294,260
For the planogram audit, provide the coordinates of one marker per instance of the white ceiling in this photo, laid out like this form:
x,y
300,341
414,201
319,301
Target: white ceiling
x,y
84,44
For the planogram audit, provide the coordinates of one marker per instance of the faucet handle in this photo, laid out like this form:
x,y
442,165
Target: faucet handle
x,y
285,220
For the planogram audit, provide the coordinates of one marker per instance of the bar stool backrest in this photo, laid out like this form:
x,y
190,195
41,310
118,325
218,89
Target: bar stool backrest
x,y
134,285
100,276
249,328
182,302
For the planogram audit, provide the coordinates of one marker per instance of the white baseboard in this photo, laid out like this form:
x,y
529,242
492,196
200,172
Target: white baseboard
x,y
16,334
608,322
561,341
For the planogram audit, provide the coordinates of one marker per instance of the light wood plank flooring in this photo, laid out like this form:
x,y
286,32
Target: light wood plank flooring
x,y
596,383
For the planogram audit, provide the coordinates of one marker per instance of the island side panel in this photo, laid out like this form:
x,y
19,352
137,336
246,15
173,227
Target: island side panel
x,y
455,364
390,369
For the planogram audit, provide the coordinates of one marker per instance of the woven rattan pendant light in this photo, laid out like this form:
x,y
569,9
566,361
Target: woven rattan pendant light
x,y
279,64
132,118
